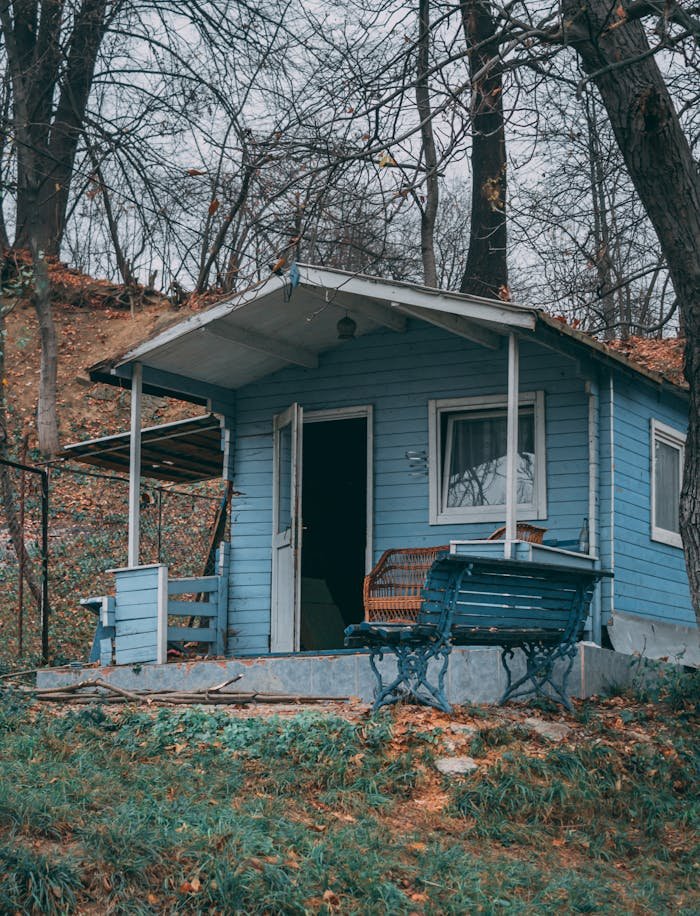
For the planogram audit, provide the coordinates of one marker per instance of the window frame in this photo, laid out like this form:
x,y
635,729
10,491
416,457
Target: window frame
x,y
667,435
437,408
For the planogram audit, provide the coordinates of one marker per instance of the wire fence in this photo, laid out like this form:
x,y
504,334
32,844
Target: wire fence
x,y
87,537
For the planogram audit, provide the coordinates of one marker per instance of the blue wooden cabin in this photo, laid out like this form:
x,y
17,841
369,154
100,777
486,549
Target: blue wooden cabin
x,y
359,415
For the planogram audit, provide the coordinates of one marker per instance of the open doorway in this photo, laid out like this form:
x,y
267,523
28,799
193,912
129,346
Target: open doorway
x,y
334,541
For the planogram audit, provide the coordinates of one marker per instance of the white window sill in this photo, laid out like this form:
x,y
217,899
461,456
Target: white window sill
x,y
489,514
672,538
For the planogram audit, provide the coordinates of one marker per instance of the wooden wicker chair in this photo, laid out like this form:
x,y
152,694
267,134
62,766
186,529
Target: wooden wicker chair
x,y
392,591
524,532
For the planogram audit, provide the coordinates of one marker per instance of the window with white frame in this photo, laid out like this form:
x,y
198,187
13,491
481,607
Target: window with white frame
x,y
467,461
667,454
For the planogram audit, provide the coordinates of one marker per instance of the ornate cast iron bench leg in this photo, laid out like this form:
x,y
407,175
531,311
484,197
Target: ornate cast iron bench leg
x,y
411,683
539,660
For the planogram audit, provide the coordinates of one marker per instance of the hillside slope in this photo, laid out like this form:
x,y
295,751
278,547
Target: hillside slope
x,y
88,514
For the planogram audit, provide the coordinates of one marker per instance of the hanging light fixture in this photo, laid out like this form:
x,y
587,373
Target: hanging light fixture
x,y
346,328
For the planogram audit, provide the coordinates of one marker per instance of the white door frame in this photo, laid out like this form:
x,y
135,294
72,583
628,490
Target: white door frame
x,y
365,411
284,617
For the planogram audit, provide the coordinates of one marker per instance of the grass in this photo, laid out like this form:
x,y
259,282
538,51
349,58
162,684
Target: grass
x,y
198,811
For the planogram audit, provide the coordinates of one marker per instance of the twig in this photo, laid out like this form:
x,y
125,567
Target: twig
x,y
19,673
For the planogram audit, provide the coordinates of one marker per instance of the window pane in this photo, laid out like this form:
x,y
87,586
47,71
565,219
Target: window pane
x,y
284,505
477,472
667,486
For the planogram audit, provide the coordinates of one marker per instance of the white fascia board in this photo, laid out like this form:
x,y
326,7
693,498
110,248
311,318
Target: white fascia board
x,y
201,320
484,310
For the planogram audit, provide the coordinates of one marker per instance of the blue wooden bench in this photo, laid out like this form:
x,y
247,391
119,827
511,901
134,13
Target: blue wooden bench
x,y
477,601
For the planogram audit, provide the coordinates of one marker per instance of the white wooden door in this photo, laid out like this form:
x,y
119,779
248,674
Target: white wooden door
x,y
286,530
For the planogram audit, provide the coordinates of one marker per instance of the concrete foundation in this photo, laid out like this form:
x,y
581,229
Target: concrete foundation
x,y
474,676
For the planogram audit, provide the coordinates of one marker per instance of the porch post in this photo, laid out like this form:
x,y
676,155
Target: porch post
x,y
135,465
512,445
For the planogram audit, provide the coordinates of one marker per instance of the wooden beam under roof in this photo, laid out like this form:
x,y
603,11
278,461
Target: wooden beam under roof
x,y
262,343
453,323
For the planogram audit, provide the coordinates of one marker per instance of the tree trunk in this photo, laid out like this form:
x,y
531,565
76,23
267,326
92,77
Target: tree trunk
x,y
486,271
46,415
661,166
601,228
48,138
429,209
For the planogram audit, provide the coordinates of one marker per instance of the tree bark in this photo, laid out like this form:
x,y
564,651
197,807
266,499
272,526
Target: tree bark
x,y
661,166
429,209
486,271
48,136
46,414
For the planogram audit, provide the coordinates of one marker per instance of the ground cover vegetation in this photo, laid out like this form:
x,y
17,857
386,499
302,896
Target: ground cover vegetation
x,y
324,811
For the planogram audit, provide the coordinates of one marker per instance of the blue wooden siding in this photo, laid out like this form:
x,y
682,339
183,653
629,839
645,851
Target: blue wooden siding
x,y
650,577
136,615
398,374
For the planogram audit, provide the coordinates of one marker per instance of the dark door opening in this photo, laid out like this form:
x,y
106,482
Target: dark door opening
x,y
334,513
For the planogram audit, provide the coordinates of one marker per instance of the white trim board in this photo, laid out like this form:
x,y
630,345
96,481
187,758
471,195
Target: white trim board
x,y
674,438
475,515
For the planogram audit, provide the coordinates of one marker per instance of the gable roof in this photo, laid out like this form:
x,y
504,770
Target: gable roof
x,y
273,325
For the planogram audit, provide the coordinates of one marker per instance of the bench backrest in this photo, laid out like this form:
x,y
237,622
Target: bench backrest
x,y
502,602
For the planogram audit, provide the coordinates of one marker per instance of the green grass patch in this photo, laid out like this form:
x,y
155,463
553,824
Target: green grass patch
x,y
197,811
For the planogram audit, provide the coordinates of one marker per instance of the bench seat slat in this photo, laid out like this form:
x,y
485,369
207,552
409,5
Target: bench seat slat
x,y
510,617
521,607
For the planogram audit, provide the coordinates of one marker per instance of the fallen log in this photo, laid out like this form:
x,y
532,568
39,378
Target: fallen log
x,y
102,691
108,693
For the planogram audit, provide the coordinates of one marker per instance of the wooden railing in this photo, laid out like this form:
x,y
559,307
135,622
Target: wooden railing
x,y
210,604
138,628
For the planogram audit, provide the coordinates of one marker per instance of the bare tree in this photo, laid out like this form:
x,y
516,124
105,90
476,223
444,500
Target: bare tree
x,y
486,270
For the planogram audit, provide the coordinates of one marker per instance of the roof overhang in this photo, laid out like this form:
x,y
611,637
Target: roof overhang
x,y
186,451
273,326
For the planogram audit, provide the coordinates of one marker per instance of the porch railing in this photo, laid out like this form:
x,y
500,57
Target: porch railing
x,y
209,605
147,599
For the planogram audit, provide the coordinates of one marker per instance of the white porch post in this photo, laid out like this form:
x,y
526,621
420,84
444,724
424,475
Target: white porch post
x,y
135,465
512,445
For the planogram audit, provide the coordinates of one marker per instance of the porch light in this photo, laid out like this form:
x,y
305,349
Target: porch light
x,y
346,328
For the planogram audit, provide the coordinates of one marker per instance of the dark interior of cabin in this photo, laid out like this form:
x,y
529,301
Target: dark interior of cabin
x,y
334,513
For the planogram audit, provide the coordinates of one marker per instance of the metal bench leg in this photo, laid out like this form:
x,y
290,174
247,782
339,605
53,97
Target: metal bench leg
x,y
540,661
411,682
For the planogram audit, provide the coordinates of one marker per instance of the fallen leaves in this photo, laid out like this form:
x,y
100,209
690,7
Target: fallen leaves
x,y
331,899
191,887
664,356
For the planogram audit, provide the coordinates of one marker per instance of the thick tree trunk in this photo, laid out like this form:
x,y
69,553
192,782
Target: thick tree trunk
x,y
48,138
660,163
486,272
430,207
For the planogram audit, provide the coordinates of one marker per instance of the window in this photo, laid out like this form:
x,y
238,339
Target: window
x,y
468,459
667,453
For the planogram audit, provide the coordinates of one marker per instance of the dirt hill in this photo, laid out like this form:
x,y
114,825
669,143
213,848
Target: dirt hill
x,y
93,320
